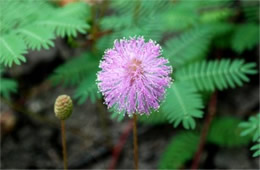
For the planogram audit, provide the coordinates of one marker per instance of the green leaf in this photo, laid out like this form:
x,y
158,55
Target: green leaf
x,y
149,31
218,74
186,49
216,15
65,26
17,14
119,117
256,148
116,23
180,150
245,37
178,17
37,37
224,131
7,86
31,24
251,10
75,71
74,10
182,104
87,89
251,127
12,49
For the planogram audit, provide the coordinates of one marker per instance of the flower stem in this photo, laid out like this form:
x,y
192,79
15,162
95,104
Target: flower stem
x,y
64,148
135,142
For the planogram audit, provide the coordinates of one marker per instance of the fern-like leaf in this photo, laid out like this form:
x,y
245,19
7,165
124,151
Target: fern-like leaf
x,y
256,148
12,49
252,127
65,26
74,10
17,14
75,70
24,26
218,74
150,30
116,23
241,41
224,131
216,15
185,49
37,37
179,151
7,86
182,104
119,117
251,10
87,89
178,16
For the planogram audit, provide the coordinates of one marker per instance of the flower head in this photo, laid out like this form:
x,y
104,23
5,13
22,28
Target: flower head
x,y
63,107
133,76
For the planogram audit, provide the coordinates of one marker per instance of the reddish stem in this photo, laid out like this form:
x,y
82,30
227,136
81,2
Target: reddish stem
x,y
119,146
205,129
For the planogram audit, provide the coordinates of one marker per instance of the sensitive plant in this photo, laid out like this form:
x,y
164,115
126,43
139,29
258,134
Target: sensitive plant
x,y
63,109
189,33
133,76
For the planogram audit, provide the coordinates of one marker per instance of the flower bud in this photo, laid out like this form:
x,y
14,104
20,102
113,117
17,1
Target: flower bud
x,y
63,107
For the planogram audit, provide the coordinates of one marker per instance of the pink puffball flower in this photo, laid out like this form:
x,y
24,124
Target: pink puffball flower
x,y
133,76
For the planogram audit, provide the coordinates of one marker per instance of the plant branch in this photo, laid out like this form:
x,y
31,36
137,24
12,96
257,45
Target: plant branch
x,y
205,129
119,146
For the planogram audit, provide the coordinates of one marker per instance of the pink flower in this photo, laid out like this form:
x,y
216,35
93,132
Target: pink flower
x,y
133,76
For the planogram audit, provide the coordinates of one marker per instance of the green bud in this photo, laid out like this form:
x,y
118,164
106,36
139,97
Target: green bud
x,y
63,107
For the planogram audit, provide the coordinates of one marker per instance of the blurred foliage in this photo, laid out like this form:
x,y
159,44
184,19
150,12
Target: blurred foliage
x,y
224,132
180,149
7,85
252,128
156,118
189,32
33,24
